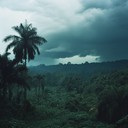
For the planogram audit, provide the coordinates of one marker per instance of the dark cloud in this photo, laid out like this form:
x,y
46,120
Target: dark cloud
x,y
89,4
106,35
81,27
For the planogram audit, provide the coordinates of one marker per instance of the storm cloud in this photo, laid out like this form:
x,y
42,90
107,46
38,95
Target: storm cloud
x,y
78,27
104,33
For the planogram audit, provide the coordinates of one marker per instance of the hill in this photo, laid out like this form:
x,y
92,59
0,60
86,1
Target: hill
x,y
81,68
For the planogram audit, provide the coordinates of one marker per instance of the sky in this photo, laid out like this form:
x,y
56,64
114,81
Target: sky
x,y
77,31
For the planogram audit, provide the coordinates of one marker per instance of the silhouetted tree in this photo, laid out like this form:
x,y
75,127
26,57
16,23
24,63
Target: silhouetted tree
x,y
6,69
25,44
11,73
40,86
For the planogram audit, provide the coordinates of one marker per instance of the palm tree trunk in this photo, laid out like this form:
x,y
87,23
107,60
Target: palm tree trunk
x,y
25,54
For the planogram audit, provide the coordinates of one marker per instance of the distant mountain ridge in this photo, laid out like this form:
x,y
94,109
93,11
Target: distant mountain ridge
x,y
81,68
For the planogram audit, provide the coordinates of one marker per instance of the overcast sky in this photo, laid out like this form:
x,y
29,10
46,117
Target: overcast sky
x,y
76,30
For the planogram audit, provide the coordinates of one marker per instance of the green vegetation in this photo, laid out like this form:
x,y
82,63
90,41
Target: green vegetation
x,y
81,98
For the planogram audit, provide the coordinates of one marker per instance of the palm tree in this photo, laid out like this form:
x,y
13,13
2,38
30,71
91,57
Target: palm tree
x,y
25,44
41,80
11,73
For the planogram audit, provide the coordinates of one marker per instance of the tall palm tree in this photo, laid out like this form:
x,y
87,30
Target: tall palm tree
x,y
25,44
41,82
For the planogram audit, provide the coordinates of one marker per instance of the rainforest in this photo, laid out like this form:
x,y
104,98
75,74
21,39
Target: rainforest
x,y
87,95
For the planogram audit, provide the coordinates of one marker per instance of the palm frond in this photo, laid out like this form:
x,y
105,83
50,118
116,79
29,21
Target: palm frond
x,y
22,29
30,52
28,27
12,44
37,49
11,37
17,29
18,51
32,32
38,40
